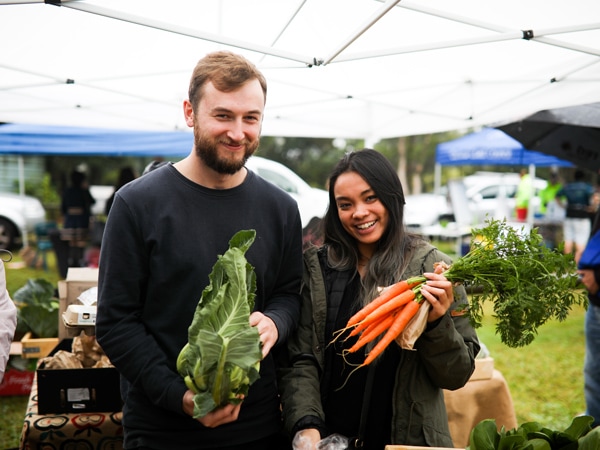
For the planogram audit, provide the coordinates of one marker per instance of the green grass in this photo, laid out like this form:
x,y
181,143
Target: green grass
x,y
545,378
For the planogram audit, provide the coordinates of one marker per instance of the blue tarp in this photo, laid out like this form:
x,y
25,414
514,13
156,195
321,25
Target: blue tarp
x,y
27,139
491,146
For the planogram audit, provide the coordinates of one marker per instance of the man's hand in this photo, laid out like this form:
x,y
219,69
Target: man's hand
x,y
220,416
266,330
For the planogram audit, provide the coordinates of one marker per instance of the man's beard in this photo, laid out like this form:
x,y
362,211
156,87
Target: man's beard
x,y
206,149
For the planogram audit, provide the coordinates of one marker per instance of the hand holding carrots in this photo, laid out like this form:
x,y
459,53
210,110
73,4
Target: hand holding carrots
x,y
386,317
438,291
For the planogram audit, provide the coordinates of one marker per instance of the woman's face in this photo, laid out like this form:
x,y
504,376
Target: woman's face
x,y
360,211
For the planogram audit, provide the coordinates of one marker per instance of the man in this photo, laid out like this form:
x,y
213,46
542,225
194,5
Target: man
x,y
162,238
590,277
576,197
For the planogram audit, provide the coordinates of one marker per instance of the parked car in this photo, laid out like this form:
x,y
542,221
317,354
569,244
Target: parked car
x,y
19,214
485,194
493,194
312,202
423,211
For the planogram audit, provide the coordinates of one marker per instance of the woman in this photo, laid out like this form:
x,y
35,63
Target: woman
x,y
365,247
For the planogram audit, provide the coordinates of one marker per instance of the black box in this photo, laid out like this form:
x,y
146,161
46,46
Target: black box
x,y
77,390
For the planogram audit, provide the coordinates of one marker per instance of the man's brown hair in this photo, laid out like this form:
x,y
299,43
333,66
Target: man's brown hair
x,y
227,71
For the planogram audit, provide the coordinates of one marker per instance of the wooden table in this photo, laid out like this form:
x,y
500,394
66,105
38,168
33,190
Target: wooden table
x,y
88,430
476,401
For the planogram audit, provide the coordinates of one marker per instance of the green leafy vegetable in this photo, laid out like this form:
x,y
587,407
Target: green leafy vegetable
x,y
37,308
533,436
222,357
527,282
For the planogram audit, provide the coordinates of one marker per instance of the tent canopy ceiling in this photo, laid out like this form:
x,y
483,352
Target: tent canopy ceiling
x,y
338,68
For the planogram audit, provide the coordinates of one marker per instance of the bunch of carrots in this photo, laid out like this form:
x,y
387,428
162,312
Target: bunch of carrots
x,y
527,282
386,316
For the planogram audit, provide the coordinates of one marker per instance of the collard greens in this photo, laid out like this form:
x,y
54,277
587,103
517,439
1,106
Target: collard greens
x,y
222,357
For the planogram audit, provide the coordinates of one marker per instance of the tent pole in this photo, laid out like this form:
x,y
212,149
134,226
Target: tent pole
x,y
530,211
185,31
437,178
21,167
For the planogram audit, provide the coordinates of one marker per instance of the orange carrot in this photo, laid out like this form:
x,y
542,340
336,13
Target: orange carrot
x,y
400,322
385,295
372,331
403,299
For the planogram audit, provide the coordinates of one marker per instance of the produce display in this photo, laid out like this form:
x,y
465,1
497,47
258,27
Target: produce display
x,y
85,353
222,356
527,282
533,436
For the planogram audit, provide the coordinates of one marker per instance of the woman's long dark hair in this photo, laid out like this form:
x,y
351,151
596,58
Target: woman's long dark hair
x,y
396,245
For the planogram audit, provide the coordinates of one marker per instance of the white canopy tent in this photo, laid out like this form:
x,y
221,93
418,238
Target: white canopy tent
x,y
336,68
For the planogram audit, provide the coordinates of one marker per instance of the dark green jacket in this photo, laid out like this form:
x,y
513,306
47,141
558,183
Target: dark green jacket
x,y
443,358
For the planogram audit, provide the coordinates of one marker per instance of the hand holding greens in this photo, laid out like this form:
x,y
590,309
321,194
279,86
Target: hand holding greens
x,y
222,357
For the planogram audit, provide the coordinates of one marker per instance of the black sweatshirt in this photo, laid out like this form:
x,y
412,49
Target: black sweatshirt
x,y
161,241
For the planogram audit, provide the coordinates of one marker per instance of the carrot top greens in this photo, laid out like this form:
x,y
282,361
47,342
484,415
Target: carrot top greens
x,y
527,282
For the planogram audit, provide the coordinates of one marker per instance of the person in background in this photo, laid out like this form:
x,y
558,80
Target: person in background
x,y
76,202
523,195
76,207
162,238
366,246
548,196
576,198
8,317
126,174
590,276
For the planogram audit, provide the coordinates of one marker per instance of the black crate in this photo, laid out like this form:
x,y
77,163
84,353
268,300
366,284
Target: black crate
x,y
77,390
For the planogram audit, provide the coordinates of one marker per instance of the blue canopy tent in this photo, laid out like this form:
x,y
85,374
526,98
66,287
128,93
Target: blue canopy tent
x,y
32,139
491,146
28,139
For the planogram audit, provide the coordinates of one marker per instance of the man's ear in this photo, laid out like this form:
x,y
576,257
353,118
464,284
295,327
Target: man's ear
x,y
188,113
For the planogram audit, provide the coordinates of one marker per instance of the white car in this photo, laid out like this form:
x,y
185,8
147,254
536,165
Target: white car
x,y
493,194
19,214
482,195
312,202
423,211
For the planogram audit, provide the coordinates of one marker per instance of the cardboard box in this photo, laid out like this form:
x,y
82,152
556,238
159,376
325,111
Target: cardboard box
x,y
484,369
37,347
77,390
79,280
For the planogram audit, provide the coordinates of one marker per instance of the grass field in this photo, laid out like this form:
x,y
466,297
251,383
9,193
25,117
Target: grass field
x,y
545,378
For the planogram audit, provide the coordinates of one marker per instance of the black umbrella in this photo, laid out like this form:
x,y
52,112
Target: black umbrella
x,y
571,133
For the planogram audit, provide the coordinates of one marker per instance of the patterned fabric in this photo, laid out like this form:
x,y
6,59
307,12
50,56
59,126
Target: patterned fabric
x,y
65,431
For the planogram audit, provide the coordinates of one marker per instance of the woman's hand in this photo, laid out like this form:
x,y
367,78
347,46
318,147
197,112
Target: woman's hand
x,y
306,439
438,291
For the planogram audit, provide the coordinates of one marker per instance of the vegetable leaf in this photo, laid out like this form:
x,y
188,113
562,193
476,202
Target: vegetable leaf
x,y
38,308
527,282
222,357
